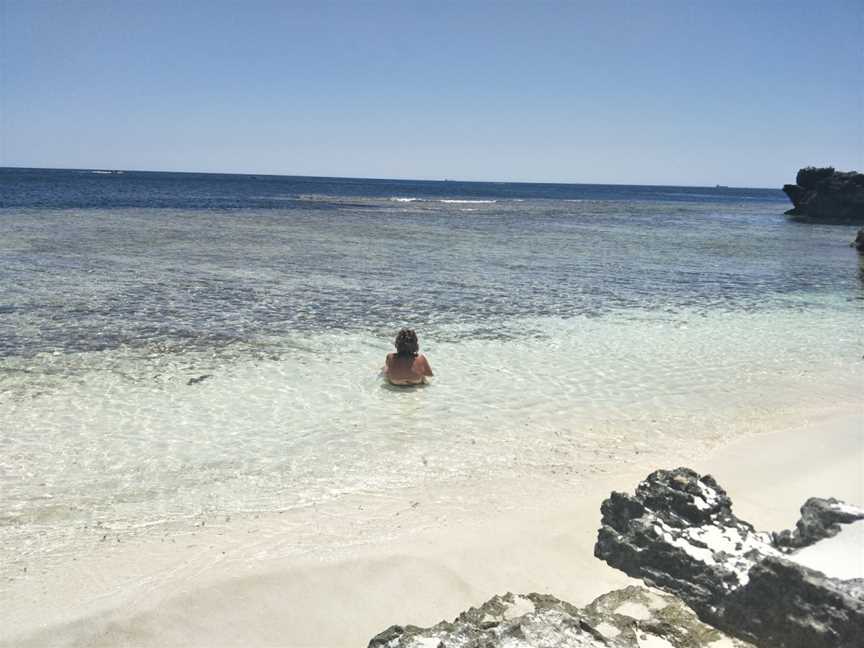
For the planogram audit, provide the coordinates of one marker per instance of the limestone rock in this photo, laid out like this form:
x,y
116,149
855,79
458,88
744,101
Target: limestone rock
x,y
643,617
627,618
825,195
679,533
820,518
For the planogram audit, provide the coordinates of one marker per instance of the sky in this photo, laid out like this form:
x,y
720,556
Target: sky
x,y
665,92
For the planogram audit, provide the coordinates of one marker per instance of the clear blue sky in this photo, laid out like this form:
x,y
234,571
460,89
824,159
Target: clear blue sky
x,y
665,92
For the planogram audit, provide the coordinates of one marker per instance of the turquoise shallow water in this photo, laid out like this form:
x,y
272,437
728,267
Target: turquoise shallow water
x,y
571,329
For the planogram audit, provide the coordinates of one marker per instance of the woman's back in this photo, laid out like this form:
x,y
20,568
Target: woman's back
x,y
407,366
402,369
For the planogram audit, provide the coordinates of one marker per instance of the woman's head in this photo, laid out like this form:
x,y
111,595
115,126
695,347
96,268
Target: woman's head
x,y
406,342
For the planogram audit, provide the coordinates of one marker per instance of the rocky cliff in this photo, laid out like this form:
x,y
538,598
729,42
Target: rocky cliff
x,y
827,196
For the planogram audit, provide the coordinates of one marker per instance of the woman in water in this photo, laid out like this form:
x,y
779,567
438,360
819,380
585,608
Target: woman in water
x,y
407,366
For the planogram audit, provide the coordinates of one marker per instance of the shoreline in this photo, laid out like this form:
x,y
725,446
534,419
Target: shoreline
x,y
542,541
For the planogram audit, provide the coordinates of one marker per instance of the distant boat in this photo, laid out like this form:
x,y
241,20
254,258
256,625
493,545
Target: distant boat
x,y
721,187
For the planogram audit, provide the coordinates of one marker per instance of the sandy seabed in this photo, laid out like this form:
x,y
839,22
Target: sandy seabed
x,y
253,583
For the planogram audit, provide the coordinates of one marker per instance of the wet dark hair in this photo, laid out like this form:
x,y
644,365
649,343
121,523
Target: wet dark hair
x,y
406,343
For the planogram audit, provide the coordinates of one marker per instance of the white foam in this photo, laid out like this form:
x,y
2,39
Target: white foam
x,y
468,202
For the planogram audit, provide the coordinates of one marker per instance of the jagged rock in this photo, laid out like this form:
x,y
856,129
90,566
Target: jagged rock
x,y
678,533
820,518
627,618
827,196
519,621
858,243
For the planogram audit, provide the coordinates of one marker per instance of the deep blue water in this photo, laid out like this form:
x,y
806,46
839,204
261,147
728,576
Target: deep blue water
x,y
169,261
58,188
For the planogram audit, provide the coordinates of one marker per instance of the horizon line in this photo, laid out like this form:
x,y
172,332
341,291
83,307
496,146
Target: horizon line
x,y
403,179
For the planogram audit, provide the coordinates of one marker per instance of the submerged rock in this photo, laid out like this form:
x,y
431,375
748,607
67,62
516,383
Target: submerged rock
x,y
678,533
627,618
827,196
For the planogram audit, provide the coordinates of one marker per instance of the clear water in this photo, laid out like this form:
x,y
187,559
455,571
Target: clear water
x,y
572,328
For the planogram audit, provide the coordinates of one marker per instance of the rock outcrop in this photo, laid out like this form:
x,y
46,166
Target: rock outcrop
x,y
678,533
630,618
820,519
858,243
825,195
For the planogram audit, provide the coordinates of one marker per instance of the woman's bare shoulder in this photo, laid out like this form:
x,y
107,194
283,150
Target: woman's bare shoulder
x,y
423,364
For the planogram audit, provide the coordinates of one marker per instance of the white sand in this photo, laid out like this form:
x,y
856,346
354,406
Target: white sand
x,y
839,557
190,593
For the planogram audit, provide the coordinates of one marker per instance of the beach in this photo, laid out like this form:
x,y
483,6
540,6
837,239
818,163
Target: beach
x,y
625,238
198,448
544,545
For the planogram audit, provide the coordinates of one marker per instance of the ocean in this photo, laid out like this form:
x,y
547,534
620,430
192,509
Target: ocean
x,y
180,348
